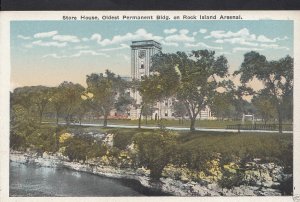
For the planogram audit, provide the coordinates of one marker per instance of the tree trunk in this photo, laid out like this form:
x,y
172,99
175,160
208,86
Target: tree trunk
x,y
57,139
192,126
57,118
280,123
41,116
279,118
105,120
140,117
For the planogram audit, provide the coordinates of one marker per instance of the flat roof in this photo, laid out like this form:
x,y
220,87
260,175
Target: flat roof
x,y
146,43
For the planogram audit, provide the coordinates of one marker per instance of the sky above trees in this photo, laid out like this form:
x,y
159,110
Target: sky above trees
x,y
49,52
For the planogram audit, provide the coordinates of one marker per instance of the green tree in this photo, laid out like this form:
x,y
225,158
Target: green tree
x,y
57,101
106,88
83,108
264,106
150,91
198,79
179,110
124,102
41,96
276,76
221,105
71,96
148,111
154,150
21,126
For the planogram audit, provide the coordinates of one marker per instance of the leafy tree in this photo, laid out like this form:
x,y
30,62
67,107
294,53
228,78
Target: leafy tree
x,y
41,97
148,110
57,101
83,108
276,76
264,107
154,150
150,91
123,103
221,105
71,98
198,74
106,88
198,79
179,110
21,126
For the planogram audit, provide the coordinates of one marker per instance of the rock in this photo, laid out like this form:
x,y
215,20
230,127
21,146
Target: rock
x,y
244,191
108,140
268,192
45,155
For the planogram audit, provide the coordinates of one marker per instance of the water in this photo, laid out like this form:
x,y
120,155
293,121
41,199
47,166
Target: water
x,y
30,180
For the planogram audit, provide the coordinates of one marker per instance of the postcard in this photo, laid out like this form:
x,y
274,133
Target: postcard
x,y
150,105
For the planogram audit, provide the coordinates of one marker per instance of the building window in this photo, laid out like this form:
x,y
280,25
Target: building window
x,y
142,65
166,114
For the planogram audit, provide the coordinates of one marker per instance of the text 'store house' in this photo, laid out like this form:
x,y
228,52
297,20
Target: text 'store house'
x,y
141,53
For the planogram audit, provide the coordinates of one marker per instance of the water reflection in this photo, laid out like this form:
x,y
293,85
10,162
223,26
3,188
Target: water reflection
x,y
29,180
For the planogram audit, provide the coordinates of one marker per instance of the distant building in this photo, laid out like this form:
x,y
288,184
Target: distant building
x,y
141,53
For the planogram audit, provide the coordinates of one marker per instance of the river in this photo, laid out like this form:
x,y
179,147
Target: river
x,y
31,180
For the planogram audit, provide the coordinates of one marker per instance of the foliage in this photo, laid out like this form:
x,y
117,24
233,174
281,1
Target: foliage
x,y
179,109
122,139
197,75
154,150
21,125
276,76
230,179
264,106
81,148
105,88
42,139
57,101
222,105
71,97
63,137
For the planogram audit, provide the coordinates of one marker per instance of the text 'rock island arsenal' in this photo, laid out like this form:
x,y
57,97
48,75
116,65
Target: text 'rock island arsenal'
x,y
153,17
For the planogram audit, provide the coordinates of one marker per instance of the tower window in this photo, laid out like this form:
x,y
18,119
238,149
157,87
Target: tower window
x,y
142,66
166,114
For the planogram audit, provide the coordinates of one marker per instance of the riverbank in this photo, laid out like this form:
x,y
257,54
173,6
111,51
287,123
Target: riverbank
x,y
166,184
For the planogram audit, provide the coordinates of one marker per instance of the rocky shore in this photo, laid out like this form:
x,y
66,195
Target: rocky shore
x,y
266,184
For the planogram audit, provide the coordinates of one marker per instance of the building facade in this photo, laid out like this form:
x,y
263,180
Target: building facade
x,y
141,53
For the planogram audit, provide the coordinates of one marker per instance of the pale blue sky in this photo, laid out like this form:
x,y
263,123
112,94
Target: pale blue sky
x,y
49,52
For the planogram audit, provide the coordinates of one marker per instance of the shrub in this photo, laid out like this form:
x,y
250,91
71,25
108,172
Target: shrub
x,y
231,179
154,150
83,148
122,139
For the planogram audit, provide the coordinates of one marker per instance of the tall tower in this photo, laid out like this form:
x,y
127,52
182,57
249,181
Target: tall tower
x,y
141,53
